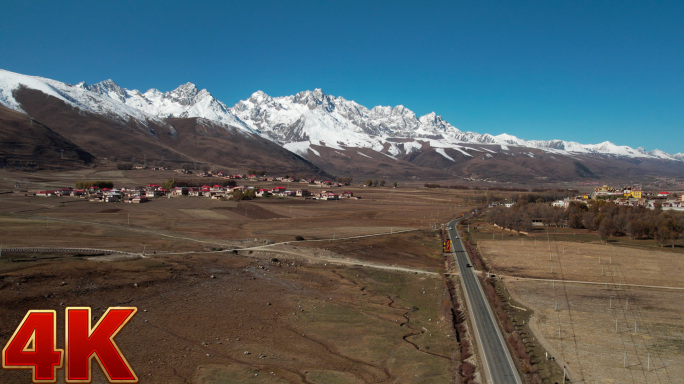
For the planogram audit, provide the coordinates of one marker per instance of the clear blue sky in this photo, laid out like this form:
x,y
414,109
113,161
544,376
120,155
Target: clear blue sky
x,y
587,71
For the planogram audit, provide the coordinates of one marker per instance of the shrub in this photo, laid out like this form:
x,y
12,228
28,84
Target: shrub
x,y
124,166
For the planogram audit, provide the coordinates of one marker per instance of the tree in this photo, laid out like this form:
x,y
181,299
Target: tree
x,y
99,184
394,184
668,229
237,195
345,180
369,183
124,166
606,228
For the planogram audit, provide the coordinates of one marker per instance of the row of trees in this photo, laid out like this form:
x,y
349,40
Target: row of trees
x,y
95,183
503,189
606,218
378,183
196,183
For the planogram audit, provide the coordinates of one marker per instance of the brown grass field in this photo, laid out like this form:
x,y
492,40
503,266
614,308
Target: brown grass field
x,y
314,311
624,286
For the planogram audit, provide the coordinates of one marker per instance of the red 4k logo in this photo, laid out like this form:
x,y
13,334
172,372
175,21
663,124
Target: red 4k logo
x,y
33,346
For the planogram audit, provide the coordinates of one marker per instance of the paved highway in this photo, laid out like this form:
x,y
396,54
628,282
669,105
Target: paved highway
x,y
497,363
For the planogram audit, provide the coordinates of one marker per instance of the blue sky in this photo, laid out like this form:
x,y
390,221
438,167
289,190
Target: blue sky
x,y
586,71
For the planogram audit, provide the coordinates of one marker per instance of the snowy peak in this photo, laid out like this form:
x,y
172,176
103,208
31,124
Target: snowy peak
x,y
108,88
187,94
315,99
435,125
259,97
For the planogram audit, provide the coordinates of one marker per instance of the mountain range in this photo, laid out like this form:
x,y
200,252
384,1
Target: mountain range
x,y
309,132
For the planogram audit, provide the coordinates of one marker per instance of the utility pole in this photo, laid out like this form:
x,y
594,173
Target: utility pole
x,y
564,373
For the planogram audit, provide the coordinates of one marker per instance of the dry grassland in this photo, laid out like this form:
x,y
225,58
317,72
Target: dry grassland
x,y
587,314
283,314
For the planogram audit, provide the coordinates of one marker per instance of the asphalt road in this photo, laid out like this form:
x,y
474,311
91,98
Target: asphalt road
x,y
497,362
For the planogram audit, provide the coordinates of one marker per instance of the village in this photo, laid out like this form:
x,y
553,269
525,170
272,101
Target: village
x,y
629,196
105,191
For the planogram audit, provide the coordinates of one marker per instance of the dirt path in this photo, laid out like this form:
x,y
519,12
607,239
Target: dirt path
x,y
593,282
339,261
305,254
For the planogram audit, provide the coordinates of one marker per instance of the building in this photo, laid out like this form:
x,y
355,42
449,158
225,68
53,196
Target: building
x,y
329,196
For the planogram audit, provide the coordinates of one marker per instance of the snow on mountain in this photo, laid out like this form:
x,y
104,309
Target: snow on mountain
x,y
317,118
78,96
183,102
441,152
299,121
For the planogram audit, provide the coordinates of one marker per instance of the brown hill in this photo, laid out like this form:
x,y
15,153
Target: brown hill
x,y
28,144
518,165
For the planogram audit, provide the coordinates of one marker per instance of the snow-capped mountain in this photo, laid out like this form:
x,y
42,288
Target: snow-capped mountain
x,y
315,118
78,96
315,124
183,102
112,124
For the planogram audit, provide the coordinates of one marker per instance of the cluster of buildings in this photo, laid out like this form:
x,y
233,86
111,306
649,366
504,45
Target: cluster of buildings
x,y
143,194
632,196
